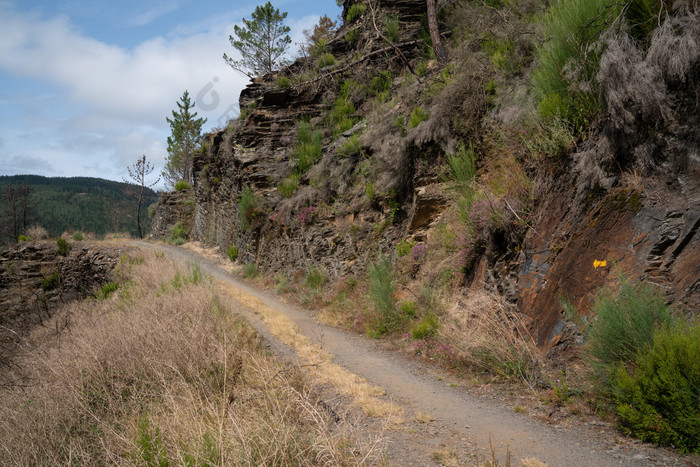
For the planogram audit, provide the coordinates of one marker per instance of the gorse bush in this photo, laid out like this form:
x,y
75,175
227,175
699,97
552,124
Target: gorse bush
x,y
182,185
391,27
289,185
52,281
568,61
178,234
64,247
355,12
624,325
418,115
309,147
386,317
232,252
247,205
658,399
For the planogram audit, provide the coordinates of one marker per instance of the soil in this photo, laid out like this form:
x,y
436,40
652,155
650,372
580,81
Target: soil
x,y
446,422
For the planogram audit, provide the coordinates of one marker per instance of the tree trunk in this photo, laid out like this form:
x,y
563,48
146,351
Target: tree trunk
x,y
138,212
440,52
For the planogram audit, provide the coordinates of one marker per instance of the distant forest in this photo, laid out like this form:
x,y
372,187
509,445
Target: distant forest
x,y
81,204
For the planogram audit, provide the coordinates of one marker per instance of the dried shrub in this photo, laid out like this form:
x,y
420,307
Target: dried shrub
x,y
486,334
37,232
158,378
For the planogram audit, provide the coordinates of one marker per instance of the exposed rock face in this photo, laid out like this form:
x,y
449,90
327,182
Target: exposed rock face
x,y
35,279
584,212
174,207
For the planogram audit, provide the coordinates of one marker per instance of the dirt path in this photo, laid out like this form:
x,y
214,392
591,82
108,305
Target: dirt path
x,y
462,422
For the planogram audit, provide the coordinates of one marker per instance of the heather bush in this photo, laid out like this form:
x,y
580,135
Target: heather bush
x,y
658,397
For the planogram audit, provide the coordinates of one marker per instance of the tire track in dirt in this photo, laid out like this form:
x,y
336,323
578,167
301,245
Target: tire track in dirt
x,y
458,414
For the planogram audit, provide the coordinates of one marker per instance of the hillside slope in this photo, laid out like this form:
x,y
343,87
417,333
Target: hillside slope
x,y
80,203
351,152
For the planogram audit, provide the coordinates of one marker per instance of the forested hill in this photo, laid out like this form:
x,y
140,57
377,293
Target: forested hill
x,y
79,203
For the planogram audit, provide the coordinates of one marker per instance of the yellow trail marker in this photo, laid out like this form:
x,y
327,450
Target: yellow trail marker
x,y
599,264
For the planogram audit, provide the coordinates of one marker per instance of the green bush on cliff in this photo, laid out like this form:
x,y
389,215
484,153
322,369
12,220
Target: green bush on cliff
x,y
182,185
232,252
247,205
309,147
64,247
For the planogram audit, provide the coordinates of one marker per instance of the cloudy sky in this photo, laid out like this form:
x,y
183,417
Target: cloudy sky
x,y
85,86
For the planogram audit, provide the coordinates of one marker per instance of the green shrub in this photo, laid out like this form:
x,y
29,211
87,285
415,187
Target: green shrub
x,y
659,398
461,171
107,290
232,252
325,60
355,12
391,27
247,204
283,82
571,26
351,147
23,238
409,308
78,236
182,185
624,325
386,317
502,53
64,247
404,247
152,210
352,36
289,185
309,147
250,270
426,327
248,110
417,116
370,191
178,234
340,116
315,278
51,281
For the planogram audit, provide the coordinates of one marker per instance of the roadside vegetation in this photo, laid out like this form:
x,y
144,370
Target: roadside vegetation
x,y
158,370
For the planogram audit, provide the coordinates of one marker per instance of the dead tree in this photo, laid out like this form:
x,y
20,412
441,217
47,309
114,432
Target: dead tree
x,y
138,172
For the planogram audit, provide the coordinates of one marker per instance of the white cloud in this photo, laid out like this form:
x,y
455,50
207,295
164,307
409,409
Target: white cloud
x,y
108,104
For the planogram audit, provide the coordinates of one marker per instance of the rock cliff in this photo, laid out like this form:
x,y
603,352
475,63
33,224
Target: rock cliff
x,y
380,179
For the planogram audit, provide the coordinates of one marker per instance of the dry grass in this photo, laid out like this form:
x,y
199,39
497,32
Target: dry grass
x,y
486,334
321,369
163,373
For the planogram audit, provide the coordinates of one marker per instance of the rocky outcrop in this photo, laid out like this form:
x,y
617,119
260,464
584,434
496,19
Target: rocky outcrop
x,y
173,207
35,278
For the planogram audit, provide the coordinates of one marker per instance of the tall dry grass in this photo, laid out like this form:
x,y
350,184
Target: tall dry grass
x,y
485,333
163,372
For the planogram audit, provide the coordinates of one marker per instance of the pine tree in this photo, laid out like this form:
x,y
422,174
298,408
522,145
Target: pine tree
x,y
186,135
261,43
138,172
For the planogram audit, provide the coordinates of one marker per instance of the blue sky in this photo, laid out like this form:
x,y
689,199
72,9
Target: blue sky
x,y
85,86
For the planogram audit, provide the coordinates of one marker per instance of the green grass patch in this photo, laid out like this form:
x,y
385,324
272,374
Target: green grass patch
x,y
289,185
309,147
182,185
